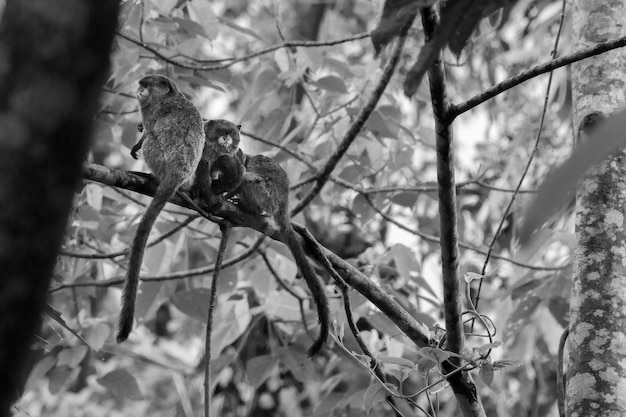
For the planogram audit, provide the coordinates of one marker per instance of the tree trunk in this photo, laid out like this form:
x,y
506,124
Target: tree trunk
x,y
596,375
54,56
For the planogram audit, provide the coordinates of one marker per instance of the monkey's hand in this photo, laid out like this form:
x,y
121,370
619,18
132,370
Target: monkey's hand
x,y
136,147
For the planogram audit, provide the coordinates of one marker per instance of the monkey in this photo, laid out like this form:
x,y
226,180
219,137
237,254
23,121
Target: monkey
x,y
172,142
264,190
222,142
227,173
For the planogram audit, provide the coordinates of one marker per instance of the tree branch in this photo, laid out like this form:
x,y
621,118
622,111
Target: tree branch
x,y
461,382
233,61
458,109
353,277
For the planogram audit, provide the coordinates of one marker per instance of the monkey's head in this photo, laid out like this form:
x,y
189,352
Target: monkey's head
x,y
223,133
153,88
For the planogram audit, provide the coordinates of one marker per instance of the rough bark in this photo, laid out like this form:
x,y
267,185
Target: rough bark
x,y
54,56
597,350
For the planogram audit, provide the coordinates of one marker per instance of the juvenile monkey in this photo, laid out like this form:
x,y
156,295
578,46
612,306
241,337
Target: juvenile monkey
x,y
222,143
172,147
265,191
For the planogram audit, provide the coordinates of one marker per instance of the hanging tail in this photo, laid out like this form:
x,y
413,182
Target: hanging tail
x,y
315,286
164,192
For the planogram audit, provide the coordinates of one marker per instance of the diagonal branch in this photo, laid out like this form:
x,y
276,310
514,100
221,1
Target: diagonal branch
x,y
355,128
352,276
458,109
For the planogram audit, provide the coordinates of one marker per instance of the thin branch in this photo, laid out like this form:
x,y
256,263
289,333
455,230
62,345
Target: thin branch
x,y
528,163
225,228
458,109
167,277
464,245
358,124
233,61
161,238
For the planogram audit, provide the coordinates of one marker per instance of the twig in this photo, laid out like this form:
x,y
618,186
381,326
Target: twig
x,y
127,251
225,228
528,163
464,245
233,61
167,277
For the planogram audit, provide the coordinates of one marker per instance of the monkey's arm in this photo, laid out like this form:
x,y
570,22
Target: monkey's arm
x,y
138,145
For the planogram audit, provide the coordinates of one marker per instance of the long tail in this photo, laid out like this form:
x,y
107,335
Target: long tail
x,y
164,192
314,284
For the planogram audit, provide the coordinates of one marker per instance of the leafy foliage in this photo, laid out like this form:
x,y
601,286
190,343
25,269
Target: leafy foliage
x,y
379,209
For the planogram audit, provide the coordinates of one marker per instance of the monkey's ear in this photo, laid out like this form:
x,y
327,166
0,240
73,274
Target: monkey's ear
x,y
238,127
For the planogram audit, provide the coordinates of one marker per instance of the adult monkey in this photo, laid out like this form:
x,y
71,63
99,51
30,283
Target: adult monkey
x,y
264,190
172,143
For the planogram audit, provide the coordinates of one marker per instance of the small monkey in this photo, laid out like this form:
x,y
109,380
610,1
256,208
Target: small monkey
x,y
265,191
172,143
222,143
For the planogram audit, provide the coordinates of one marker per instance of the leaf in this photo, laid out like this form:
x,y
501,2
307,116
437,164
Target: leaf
x,y
380,127
471,276
560,185
244,30
72,356
521,315
485,348
375,394
435,354
404,198
194,303
98,335
559,308
451,16
58,378
396,361
332,83
130,135
191,28
206,17
231,321
405,260
260,368
122,384
396,14
362,208
165,6
471,20
506,363
486,373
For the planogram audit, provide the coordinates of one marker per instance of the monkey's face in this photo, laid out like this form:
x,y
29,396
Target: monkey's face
x,y
155,87
223,133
